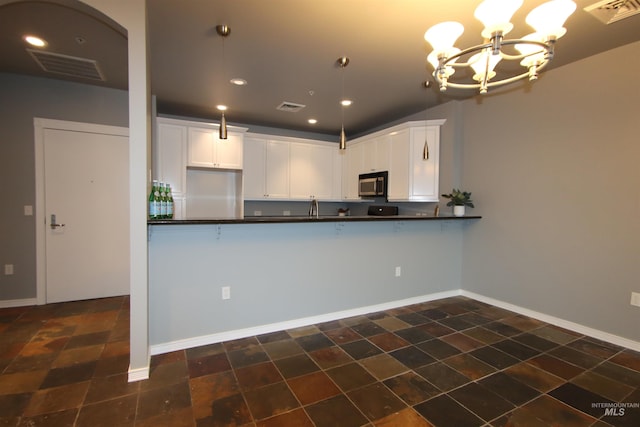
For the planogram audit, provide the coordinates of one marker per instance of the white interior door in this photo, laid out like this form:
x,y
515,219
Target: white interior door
x,y
86,207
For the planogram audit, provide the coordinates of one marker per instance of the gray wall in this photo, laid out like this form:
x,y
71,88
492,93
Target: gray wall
x,y
555,175
286,272
22,99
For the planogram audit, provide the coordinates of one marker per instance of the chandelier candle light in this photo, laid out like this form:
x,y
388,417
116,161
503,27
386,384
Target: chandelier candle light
x,y
535,49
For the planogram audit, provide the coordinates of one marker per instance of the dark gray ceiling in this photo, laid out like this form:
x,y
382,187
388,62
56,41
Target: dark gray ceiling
x,y
286,50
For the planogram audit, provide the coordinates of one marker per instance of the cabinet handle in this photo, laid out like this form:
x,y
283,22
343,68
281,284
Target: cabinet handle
x,y
425,150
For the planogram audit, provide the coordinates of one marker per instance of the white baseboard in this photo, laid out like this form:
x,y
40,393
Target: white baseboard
x,y
312,320
18,302
291,324
139,374
576,327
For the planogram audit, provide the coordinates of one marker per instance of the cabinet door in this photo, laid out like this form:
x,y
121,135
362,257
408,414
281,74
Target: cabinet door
x,y
277,170
368,156
170,157
322,171
399,166
382,159
228,152
311,174
375,154
254,173
200,147
301,170
353,169
425,172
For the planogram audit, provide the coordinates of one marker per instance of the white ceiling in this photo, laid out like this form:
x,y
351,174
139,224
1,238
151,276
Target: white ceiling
x,y
286,50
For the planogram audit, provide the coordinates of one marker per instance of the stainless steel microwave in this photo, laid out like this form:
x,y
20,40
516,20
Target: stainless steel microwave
x,y
373,184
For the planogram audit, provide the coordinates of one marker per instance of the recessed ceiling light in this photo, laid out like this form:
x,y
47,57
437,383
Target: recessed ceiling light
x,y
35,41
312,121
238,82
221,107
346,102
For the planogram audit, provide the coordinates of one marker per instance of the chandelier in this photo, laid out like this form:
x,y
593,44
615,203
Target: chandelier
x,y
534,51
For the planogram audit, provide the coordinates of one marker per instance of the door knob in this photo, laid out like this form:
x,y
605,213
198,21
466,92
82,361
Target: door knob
x,y
55,225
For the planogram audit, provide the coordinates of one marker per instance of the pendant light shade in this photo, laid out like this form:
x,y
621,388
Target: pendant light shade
x,y
223,31
223,127
343,61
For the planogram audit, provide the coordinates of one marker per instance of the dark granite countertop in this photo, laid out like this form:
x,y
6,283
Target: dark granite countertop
x,y
304,219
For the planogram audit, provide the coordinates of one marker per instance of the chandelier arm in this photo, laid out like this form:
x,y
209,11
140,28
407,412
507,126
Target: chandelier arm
x,y
495,83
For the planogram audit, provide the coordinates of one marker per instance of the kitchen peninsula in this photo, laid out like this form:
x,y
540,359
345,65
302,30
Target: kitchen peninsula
x,y
216,277
280,273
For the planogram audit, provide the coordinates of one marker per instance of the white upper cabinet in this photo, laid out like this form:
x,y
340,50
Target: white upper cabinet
x,y
266,171
414,164
352,168
206,150
375,154
290,169
170,154
277,169
169,162
312,171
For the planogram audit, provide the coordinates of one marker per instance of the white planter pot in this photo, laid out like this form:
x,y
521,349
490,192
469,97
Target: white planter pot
x,y
458,210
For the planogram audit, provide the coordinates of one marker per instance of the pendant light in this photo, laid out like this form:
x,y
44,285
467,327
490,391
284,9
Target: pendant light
x,y
343,62
425,151
223,31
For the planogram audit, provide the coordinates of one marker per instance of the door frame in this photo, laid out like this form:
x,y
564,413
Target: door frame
x,y
40,124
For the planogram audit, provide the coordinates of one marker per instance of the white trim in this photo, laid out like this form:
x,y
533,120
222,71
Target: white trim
x,y
139,374
576,327
18,302
40,125
291,324
312,320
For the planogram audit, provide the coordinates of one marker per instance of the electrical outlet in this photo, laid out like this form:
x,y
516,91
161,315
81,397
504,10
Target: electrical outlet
x,y
257,213
226,292
635,299
286,213
8,269
28,210
398,271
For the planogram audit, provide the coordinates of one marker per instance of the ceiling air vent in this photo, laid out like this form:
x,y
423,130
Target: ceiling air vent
x,y
610,11
290,107
67,65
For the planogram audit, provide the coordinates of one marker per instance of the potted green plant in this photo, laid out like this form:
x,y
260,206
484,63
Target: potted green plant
x,y
459,200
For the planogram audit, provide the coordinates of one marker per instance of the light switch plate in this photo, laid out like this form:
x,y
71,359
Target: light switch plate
x,y
8,269
28,210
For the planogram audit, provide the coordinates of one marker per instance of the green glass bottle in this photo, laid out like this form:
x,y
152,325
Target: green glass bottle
x,y
169,202
153,203
163,201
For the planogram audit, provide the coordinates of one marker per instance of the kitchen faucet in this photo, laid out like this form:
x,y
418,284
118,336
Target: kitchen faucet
x,y
313,209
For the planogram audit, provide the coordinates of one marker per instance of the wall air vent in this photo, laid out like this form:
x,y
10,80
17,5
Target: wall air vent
x,y
610,11
67,65
290,107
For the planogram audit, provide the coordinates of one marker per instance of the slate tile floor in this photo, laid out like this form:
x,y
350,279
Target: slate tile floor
x,y
452,362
